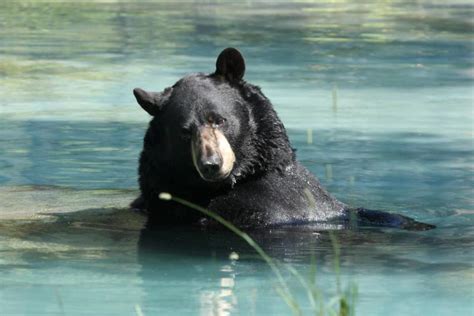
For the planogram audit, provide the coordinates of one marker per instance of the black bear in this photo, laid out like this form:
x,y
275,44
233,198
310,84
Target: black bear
x,y
216,140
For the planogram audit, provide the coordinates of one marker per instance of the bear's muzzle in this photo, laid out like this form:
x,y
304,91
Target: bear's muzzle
x,y
212,154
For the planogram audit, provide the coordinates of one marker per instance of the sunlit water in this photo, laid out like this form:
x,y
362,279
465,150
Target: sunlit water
x,y
377,99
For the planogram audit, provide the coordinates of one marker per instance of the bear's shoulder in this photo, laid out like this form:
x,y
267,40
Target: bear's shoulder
x,y
291,195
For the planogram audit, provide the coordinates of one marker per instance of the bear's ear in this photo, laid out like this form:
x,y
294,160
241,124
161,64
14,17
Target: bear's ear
x,y
230,64
149,101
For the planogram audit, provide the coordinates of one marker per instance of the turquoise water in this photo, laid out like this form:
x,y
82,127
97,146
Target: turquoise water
x,y
384,89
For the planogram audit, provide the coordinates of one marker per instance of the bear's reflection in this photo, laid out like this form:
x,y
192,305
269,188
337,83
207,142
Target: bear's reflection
x,y
192,269
189,270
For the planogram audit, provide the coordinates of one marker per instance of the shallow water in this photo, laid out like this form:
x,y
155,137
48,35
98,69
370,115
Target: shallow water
x,y
384,90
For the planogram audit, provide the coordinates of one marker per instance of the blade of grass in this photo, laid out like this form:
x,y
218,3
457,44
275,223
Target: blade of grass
x,y
304,284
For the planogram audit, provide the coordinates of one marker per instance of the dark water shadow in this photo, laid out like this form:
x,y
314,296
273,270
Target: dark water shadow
x,y
115,231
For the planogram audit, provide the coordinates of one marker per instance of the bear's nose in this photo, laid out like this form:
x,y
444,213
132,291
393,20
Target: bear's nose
x,y
211,164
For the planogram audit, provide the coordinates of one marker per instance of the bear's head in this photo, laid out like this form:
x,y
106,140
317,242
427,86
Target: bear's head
x,y
214,126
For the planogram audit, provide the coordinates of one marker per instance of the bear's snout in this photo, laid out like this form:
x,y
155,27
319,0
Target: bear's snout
x,y
212,154
210,167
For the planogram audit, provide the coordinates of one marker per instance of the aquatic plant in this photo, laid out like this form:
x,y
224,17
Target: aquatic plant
x,y
341,304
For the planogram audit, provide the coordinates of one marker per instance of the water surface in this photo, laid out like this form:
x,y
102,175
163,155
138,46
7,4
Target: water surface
x,y
385,90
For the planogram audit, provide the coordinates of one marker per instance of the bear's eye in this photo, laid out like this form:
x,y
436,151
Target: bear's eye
x,y
218,121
